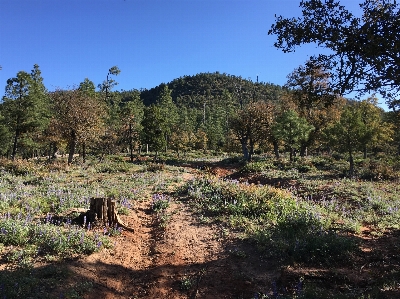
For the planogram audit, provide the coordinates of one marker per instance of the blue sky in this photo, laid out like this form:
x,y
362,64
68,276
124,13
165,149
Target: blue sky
x,y
151,41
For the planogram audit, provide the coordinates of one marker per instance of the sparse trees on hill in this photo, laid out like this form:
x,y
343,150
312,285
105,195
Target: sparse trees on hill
x,y
238,113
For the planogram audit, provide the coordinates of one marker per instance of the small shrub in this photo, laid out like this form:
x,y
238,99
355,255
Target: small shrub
x,y
256,167
232,160
123,211
301,236
186,283
113,167
377,170
18,167
49,238
338,156
160,202
154,167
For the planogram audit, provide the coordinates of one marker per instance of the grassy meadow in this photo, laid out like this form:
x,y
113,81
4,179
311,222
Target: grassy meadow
x,y
303,214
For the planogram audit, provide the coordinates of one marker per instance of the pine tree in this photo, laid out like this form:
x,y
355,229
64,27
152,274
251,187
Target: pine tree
x,y
153,124
25,106
292,130
168,113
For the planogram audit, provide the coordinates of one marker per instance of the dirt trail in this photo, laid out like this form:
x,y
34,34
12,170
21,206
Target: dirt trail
x,y
184,260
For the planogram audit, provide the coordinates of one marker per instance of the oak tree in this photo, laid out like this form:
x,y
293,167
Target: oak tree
x,y
252,125
78,117
363,52
313,98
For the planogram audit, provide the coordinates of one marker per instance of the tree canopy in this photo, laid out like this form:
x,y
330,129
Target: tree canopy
x,y
364,52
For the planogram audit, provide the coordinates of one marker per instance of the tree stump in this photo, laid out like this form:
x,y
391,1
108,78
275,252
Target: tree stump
x,y
106,214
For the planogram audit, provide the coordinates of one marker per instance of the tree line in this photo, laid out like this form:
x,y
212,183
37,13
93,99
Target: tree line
x,y
213,111
209,111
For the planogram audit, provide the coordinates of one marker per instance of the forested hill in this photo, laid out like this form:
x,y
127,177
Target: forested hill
x,y
194,90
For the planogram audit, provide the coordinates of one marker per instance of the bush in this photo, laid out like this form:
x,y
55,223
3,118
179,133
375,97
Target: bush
x,y
301,236
377,170
154,167
256,167
304,166
18,167
221,197
49,238
112,167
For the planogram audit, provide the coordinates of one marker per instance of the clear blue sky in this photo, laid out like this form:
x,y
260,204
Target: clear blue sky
x,y
151,41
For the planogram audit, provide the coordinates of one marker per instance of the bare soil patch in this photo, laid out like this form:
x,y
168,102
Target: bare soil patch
x,y
186,259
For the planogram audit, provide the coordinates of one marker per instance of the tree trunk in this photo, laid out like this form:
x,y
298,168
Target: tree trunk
x,y
276,149
291,154
50,150
130,143
14,150
55,149
72,145
245,150
351,160
251,152
303,150
365,152
84,152
166,142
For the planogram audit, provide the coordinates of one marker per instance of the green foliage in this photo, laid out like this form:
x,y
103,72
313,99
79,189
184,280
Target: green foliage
x,y
25,109
88,87
218,197
285,228
302,237
291,129
257,167
330,25
160,202
48,238
186,283
113,167
360,126
153,125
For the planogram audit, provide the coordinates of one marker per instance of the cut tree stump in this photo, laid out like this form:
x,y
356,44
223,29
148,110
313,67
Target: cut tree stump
x,y
104,209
